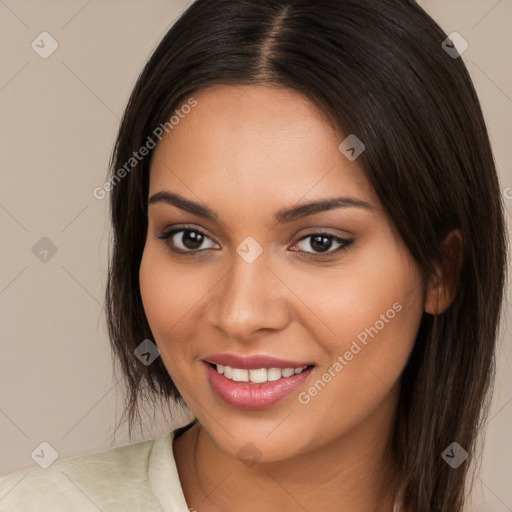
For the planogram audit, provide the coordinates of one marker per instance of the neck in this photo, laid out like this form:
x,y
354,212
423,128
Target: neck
x,y
350,473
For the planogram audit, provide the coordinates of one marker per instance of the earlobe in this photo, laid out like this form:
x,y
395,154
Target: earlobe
x,y
442,286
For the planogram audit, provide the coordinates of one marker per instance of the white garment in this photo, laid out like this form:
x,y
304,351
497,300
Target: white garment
x,y
139,477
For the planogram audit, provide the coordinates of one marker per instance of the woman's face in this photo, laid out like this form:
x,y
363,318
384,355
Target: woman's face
x,y
334,289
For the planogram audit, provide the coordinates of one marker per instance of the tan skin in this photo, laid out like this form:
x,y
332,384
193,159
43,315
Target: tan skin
x,y
247,152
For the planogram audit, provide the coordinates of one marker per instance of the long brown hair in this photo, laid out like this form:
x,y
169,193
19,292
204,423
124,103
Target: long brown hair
x,y
378,69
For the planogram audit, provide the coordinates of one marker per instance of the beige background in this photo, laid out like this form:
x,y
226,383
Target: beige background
x,y
58,121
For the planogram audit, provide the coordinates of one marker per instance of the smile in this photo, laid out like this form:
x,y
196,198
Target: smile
x,y
259,375
254,382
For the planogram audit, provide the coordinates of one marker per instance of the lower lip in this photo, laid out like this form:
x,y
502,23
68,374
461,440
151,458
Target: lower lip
x,y
247,395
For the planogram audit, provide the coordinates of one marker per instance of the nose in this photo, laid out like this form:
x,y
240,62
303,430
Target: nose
x,y
249,301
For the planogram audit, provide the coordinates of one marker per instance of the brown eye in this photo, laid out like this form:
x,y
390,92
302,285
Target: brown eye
x,y
190,240
321,243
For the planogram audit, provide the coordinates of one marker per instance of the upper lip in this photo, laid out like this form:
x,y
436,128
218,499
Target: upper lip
x,y
252,362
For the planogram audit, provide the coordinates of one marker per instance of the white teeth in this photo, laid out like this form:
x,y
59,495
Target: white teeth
x,y
273,374
258,376
287,372
240,375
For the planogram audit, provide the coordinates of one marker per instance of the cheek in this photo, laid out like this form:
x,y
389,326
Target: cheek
x,y
381,287
171,296
374,306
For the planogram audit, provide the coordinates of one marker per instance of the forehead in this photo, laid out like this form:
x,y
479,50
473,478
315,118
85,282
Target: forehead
x,y
257,142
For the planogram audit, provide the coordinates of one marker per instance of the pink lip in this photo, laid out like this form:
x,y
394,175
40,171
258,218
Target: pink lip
x,y
248,395
252,362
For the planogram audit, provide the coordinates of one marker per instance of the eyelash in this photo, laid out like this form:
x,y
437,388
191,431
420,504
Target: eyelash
x,y
194,252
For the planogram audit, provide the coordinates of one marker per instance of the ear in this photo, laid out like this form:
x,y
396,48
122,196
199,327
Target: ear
x,y
442,286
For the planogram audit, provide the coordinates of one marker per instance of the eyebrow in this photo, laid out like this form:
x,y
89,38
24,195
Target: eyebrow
x,y
282,216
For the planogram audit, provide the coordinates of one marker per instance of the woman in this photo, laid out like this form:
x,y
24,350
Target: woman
x,y
308,227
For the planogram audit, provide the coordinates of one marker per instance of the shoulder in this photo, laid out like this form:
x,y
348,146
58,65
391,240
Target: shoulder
x,y
84,483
